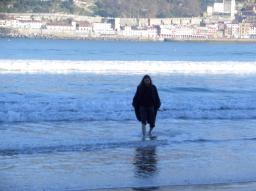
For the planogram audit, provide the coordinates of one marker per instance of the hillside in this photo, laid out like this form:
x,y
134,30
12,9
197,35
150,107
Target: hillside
x,y
43,6
111,8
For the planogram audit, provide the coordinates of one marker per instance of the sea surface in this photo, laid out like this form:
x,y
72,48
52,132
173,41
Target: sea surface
x,y
67,123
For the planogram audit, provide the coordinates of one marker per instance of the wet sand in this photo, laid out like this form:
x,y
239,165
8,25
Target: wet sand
x,y
245,186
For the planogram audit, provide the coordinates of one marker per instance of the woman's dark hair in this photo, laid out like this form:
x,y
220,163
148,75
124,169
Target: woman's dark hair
x,y
142,83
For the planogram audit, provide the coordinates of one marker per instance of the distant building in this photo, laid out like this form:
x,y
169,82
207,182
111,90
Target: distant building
x,y
209,10
117,24
128,22
230,7
61,26
235,31
24,18
196,20
218,8
245,29
252,32
28,24
143,22
84,27
182,32
103,29
2,23
140,33
212,30
21,24
175,21
155,21
227,7
232,31
12,23
166,21
201,32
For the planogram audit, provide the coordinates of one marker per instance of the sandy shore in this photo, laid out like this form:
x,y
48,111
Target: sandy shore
x,y
246,186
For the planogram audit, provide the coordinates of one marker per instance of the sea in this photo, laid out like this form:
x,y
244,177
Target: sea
x,y
67,121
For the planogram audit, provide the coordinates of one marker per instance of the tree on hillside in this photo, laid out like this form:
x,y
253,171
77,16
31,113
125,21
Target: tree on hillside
x,y
147,8
114,8
68,6
186,8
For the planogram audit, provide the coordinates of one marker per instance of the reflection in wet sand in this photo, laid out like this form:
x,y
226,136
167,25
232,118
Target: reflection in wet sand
x,y
146,189
145,161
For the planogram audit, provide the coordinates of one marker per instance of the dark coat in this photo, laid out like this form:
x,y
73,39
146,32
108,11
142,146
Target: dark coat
x,y
137,100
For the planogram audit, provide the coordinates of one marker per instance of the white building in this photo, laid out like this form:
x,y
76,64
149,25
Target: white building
x,y
202,32
209,10
117,24
12,23
21,24
180,32
167,30
2,23
84,27
236,30
232,30
212,30
103,29
225,7
143,33
230,7
196,20
218,8
61,27
252,31
28,24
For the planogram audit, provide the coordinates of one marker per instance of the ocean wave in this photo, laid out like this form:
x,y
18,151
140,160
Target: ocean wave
x,y
24,108
82,147
126,67
149,144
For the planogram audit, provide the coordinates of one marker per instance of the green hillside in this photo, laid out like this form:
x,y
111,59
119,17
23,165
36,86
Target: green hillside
x,y
111,8
41,6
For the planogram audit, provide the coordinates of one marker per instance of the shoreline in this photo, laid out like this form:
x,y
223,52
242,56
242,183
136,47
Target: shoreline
x,y
82,38
239,186
240,40
119,38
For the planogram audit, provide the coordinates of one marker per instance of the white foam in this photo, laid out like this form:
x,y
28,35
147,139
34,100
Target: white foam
x,y
126,67
29,108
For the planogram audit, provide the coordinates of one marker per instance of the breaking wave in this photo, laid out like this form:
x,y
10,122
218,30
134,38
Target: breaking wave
x,y
39,107
126,67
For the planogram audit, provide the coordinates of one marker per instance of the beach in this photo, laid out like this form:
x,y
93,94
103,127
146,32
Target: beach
x,y
67,121
218,187
84,156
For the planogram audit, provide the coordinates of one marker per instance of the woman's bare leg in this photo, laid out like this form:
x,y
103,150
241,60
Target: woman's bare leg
x,y
143,128
150,131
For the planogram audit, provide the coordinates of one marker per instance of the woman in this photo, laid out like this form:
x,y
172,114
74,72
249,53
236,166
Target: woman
x,y
146,102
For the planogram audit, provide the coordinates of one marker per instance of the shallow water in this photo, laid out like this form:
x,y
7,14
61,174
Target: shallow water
x,y
94,97
66,120
91,155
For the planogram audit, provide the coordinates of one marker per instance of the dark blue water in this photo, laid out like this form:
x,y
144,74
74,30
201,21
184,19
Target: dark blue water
x,y
125,50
